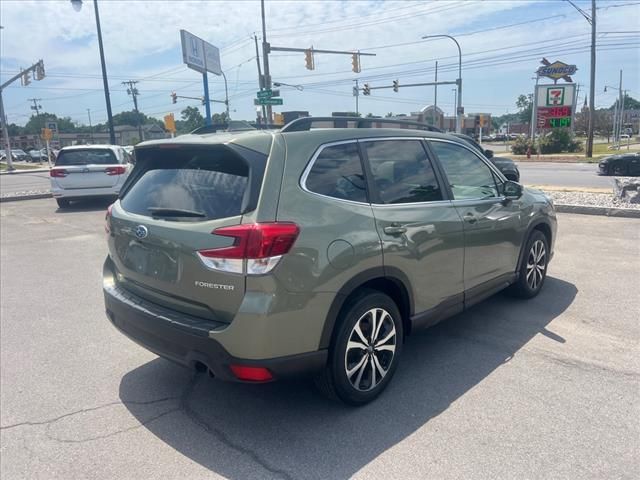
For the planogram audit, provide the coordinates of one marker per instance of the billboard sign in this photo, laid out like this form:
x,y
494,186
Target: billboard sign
x,y
200,55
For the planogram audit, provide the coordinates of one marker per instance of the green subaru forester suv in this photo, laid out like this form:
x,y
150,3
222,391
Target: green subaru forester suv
x,y
314,249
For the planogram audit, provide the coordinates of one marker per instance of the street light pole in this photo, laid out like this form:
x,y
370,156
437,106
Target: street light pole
x,y
459,114
77,5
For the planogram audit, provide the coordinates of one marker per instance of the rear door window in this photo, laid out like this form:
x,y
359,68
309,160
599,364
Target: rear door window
x,y
86,157
401,171
187,184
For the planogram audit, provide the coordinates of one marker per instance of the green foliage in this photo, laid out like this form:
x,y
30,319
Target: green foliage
x,y
524,104
37,122
191,119
630,103
558,141
522,145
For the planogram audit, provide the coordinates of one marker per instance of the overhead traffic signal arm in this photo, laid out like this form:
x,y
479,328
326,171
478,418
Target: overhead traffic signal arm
x,y
25,75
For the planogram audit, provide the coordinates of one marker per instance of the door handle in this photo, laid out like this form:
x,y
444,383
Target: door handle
x,y
394,230
470,218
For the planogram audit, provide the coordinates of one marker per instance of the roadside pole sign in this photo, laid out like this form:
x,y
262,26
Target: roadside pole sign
x,y
264,94
53,126
200,55
555,105
47,134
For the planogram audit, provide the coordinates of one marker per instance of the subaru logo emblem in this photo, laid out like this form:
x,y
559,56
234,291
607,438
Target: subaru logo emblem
x,y
141,231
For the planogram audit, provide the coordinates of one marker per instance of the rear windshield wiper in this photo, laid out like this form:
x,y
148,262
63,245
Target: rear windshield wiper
x,y
175,212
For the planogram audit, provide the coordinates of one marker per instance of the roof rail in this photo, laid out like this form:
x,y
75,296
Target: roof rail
x,y
306,123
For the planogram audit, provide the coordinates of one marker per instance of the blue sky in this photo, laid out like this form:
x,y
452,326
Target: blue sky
x,y
502,43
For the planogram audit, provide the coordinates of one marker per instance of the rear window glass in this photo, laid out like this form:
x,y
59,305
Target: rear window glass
x,y
188,184
86,157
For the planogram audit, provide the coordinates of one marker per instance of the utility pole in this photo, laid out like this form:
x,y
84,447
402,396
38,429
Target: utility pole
x,y
435,98
35,105
90,127
592,86
260,77
455,102
133,91
356,93
265,59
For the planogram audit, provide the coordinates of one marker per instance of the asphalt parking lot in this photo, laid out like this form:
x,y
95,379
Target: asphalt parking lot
x,y
548,388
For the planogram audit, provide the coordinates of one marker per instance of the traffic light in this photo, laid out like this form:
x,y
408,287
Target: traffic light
x,y
396,85
308,58
39,75
355,63
174,97
26,78
366,90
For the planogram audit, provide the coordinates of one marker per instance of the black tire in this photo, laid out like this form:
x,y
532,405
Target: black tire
x,y
619,170
62,202
379,363
530,280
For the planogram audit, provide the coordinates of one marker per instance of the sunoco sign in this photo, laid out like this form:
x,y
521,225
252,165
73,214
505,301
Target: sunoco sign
x,y
556,70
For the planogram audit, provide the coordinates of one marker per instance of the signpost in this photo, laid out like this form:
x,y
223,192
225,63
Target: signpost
x,y
202,57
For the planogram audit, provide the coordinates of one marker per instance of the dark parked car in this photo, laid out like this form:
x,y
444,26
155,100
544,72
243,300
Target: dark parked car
x,y
626,164
507,166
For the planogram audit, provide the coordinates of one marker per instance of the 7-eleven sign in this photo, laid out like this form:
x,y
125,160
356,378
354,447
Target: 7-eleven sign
x,y
555,96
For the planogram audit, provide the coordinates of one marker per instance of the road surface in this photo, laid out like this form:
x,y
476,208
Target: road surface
x,y
24,182
545,388
532,173
563,175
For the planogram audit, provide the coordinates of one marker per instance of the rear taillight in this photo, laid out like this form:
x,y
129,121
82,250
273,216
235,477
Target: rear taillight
x,y
119,170
257,248
58,172
107,220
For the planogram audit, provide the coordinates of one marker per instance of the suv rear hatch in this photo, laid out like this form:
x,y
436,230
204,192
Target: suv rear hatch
x,y
161,229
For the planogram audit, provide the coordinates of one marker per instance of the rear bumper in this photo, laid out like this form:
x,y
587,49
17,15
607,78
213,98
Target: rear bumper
x,y
58,192
187,340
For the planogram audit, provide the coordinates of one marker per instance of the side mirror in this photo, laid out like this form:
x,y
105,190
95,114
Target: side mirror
x,y
488,153
512,190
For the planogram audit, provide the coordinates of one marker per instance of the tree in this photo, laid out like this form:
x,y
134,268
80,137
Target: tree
x,y
630,103
191,119
37,122
389,115
524,104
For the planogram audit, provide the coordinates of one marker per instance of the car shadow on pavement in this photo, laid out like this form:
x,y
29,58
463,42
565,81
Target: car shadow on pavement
x,y
89,205
287,430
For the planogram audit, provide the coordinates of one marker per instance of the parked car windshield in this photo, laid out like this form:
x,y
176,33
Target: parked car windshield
x,y
86,157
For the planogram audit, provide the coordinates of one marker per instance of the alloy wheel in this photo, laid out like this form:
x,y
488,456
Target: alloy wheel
x,y
536,264
370,349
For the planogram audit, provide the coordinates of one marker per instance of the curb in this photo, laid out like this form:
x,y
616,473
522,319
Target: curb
x,y
16,198
21,171
605,211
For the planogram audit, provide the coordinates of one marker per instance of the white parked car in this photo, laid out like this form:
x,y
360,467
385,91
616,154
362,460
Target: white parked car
x,y
88,171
